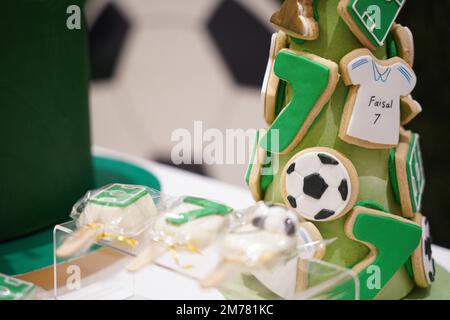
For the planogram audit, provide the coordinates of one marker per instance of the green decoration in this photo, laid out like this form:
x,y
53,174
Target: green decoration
x,y
375,17
394,241
266,177
309,80
415,172
14,289
281,95
371,205
393,175
208,208
118,195
46,155
252,159
335,41
391,47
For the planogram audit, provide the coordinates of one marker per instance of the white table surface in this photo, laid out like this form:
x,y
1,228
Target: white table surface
x,y
176,182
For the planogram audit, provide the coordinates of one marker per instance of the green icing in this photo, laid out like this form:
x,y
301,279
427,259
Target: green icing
x,y
415,172
252,159
371,205
297,40
309,80
394,240
266,178
409,268
14,289
393,175
316,11
391,47
208,208
374,23
281,95
118,195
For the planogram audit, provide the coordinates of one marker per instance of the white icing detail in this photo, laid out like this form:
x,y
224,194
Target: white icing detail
x,y
427,263
294,183
309,163
378,85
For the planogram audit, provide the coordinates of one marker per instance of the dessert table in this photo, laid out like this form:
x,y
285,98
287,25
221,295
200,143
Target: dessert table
x,y
157,283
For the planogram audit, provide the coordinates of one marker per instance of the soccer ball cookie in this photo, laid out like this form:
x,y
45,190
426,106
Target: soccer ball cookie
x,y
319,184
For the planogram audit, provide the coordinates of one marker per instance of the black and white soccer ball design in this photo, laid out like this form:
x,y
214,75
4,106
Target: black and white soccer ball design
x,y
427,254
274,219
317,185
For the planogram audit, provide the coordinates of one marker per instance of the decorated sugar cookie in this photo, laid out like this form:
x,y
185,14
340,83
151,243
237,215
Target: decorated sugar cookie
x,y
370,20
259,173
422,259
409,109
391,241
114,212
320,184
296,18
15,289
190,225
313,80
268,237
371,117
272,91
404,43
407,173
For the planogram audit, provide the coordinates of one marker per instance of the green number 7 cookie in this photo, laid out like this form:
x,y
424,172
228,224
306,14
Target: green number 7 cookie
x,y
313,80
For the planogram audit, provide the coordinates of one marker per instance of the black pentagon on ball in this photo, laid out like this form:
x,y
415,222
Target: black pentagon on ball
x,y
314,186
343,189
324,214
428,250
292,201
291,168
326,159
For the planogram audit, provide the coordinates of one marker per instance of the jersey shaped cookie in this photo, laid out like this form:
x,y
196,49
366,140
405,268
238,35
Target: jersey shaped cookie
x,y
272,91
320,184
296,18
407,174
371,117
370,20
313,80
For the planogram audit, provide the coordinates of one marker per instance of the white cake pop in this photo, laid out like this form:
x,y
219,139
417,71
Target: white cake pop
x,y
116,211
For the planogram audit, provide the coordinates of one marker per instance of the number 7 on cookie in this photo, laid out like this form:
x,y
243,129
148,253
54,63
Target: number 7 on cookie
x,y
313,80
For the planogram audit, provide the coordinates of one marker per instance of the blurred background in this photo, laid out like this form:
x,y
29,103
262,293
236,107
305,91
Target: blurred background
x,y
213,54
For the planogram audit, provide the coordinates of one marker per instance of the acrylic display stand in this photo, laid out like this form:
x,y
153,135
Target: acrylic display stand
x,y
100,274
